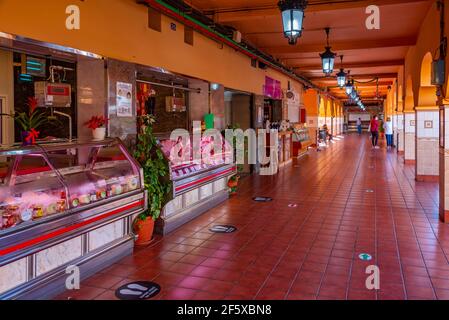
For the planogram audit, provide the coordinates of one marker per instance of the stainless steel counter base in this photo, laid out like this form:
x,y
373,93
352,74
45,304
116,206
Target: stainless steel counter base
x,y
167,225
50,286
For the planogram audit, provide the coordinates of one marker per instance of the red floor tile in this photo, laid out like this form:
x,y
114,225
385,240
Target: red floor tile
x,y
308,252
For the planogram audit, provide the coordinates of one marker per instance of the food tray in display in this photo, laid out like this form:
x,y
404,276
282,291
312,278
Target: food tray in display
x,y
189,173
43,182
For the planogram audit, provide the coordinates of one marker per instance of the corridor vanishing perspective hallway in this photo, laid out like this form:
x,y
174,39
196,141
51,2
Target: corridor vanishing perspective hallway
x,y
327,209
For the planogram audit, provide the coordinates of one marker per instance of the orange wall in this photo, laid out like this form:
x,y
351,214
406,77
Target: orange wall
x,y
118,29
428,41
311,102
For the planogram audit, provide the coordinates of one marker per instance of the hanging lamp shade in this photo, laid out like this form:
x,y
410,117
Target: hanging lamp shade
x,y
327,61
341,78
348,87
292,12
328,57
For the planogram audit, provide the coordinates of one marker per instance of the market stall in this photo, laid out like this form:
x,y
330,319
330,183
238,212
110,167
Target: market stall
x,y
64,204
301,140
198,184
285,147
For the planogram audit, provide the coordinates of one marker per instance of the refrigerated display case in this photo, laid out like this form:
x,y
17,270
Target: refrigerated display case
x,y
199,183
64,204
301,140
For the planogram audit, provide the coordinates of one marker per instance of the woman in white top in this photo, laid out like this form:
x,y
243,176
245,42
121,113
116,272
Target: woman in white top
x,y
388,127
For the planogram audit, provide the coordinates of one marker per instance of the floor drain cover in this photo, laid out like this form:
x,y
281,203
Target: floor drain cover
x,y
262,199
369,190
139,290
365,257
292,205
222,229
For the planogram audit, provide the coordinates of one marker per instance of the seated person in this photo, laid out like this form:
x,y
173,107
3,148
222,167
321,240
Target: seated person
x,y
328,134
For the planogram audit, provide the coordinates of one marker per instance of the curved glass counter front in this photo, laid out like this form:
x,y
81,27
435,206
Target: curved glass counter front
x,y
46,181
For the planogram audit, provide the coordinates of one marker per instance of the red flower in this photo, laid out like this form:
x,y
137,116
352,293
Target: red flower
x,y
96,122
32,103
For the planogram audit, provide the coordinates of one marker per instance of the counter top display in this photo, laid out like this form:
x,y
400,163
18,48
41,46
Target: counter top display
x,y
53,193
186,172
301,140
200,182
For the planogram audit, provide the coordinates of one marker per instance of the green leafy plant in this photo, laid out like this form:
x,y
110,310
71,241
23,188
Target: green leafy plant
x,y
30,121
155,168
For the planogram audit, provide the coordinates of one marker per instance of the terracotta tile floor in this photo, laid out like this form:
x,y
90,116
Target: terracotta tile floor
x,y
310,251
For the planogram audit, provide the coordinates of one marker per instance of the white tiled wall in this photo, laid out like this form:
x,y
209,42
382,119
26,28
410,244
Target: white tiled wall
x,y
427,116
427,157
409,119
312,122
446,125
409,137
400,121
321,121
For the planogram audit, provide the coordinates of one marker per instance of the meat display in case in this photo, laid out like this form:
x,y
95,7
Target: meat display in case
x,y
65,203
199,175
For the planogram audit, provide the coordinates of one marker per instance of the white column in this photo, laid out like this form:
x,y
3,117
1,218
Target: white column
x,y
427,133
409,137
400,133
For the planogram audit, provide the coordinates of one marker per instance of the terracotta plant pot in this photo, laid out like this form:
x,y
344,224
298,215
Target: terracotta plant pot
x,y
233,183
144,231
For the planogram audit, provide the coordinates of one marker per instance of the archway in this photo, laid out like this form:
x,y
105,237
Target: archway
x,y
426,70
427,125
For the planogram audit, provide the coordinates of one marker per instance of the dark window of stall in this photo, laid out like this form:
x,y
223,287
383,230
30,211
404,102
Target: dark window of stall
x,y
168,105
29,70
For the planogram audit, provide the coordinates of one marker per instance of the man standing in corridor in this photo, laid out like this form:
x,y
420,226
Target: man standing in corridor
x,y
359,126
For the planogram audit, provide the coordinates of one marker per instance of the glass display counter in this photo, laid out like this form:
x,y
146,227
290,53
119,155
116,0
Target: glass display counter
x,y
301,140
64,204
199,183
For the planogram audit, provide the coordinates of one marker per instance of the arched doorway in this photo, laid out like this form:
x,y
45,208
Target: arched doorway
x,y
427,125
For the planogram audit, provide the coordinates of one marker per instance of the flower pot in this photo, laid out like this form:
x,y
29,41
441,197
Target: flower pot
x,y
25,135
144,231
232,184
99,133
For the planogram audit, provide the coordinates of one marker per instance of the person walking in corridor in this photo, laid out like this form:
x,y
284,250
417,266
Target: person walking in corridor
x,y
359,126
388,126
374,129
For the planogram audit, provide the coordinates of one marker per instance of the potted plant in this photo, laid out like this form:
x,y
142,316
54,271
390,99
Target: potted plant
x,y
233,183
97,124
234,180
29,121
155,172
